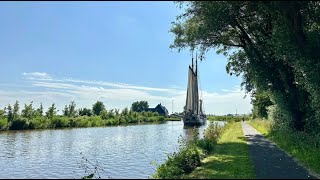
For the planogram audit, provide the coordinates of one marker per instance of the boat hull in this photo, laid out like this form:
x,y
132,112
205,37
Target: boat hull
x,y
194,120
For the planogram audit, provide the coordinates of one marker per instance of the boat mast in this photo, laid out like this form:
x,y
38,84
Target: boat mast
x,y
196,65
192,60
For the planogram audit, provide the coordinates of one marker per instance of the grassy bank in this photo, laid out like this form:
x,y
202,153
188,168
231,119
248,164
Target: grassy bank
x,y
230,158
223,153
173,119
190,154
301,146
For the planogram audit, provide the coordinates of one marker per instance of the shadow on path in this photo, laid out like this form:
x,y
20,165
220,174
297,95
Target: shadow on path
x,y
271,162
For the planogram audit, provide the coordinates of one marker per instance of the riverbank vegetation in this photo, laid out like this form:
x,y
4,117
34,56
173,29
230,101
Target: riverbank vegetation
x,y
230,159
190,154
229,118
222,153
31,118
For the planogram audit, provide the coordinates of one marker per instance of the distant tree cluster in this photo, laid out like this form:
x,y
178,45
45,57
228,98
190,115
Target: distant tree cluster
x,y
30,118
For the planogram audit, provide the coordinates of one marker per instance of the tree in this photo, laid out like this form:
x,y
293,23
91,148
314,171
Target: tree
x,y
15,110
259,38
39,111
85,112
72,109
28,111
260,103
51,112
66,111
10,115
98,107
140,106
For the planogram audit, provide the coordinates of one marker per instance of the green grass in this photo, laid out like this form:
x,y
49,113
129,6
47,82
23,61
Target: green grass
x,y
173,119
299,145
263,126
230,158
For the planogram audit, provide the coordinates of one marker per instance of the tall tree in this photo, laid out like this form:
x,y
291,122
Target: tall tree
x,y
10,115
40,110
85,112
259,38
52,111
140,106
16,110
28,111
98,107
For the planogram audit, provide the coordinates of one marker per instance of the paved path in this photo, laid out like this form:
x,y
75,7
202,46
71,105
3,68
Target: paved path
x,y
271,162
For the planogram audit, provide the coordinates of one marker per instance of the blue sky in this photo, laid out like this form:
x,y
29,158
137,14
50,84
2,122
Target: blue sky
x,y
115,52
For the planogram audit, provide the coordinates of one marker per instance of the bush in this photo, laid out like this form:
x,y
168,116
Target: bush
x,y
213,132
185,161
59,122
39,123
206,145
19,123
3,123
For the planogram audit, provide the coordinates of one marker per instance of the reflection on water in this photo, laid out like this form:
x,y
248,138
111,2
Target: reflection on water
x,y
122,151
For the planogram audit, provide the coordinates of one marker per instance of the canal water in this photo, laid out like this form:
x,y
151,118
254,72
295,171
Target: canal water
x,y
121,152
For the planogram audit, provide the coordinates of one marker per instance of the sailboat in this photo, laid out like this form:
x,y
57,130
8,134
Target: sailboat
x,y
193,112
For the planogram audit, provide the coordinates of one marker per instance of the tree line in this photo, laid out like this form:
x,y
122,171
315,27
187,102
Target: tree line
x,y
36,118
273,45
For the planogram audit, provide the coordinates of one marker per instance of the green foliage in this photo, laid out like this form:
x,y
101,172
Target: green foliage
x,y
85,112
98,107
32,119
51,112
28,111
3,123
19,123
70,110
177,164
39,123
228,118
213,132
190,154
274,46
10,113
140,106
16,110
59,122
261,101
40,110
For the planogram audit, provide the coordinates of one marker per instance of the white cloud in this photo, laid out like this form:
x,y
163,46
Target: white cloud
x,y
36,75
118,95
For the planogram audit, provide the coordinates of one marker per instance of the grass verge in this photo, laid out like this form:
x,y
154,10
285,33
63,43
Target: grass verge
x,y
230,158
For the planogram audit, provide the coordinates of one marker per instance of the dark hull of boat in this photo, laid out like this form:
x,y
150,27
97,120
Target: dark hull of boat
x,y
194,120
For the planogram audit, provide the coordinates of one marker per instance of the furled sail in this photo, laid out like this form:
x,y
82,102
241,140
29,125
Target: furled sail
x,y
194,111
196,96
190,96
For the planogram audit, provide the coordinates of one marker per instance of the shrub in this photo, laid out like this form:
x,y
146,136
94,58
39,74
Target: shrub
x,y
213,132
59,122
39,123
19,123
3,124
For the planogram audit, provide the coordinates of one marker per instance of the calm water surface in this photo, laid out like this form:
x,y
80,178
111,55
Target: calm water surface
x,y
122,151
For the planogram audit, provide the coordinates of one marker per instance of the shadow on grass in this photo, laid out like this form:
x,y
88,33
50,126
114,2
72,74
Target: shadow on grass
x,y
229,160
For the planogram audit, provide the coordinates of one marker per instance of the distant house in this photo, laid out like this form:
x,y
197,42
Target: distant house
x,y
160,109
